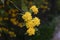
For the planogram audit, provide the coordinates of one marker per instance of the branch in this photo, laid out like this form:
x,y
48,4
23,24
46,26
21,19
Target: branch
x,y
16,6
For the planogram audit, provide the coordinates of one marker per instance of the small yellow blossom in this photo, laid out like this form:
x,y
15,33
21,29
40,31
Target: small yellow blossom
x,y
30,24
14,21
30,31
27,16
34,9
36,21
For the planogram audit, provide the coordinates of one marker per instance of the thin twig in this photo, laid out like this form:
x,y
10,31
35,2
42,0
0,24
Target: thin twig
x,y
16,6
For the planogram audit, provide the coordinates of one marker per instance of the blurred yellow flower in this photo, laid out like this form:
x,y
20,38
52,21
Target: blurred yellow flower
x,y
14,21
30,24
34,9
36,21
27,16
30,31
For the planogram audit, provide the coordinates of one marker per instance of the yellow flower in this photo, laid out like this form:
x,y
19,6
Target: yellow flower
x,y
36,21
30,31
34,9
14,21
27,16
30,24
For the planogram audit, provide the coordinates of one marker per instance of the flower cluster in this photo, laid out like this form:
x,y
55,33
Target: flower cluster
x,y
31,22
31,25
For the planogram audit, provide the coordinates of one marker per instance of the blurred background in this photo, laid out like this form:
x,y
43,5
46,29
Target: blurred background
x,y
49,13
